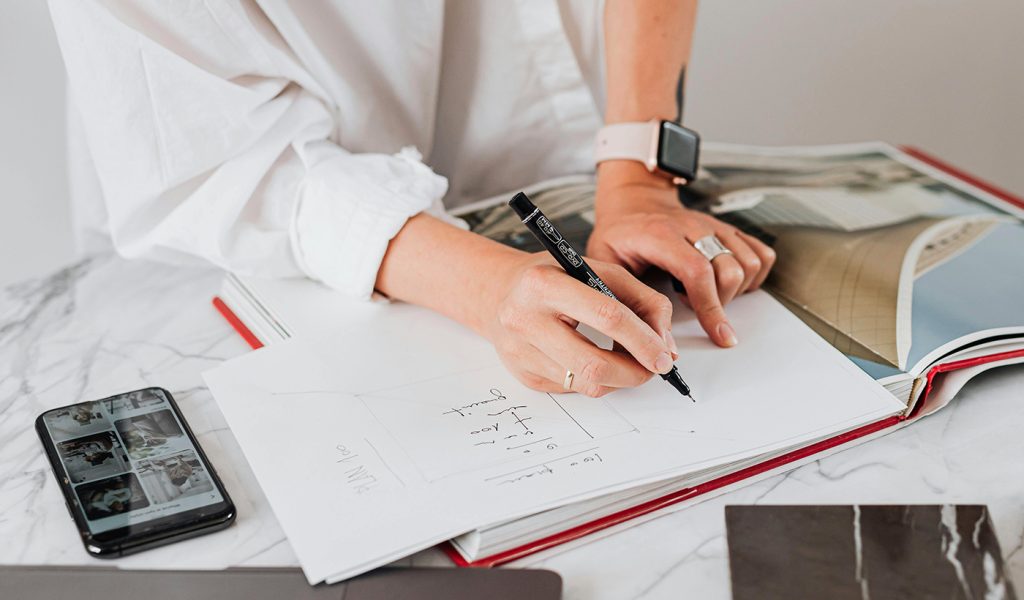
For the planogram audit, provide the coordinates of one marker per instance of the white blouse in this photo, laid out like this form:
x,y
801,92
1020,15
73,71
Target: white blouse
x,y
288,138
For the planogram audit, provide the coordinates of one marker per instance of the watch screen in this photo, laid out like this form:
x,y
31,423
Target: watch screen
x,y
678,150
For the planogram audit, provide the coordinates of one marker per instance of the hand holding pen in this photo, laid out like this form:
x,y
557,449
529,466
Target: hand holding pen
x,y
529,309
611,311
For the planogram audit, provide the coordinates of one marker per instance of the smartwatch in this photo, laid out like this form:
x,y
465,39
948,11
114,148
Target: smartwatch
x,y
662,146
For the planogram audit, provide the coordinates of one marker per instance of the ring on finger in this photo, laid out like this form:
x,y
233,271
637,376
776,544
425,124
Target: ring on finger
x,y
711,247
567,381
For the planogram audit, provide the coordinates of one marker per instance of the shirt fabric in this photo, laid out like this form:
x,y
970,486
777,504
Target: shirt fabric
x,y
295,138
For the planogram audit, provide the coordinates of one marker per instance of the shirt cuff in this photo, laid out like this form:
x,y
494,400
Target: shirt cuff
x,y
349,208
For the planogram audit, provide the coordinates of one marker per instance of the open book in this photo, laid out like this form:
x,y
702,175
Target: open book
x,y
901,265
383,457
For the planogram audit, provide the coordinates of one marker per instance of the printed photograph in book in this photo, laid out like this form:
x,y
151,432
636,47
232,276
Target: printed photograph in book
x,y
881,257
874,254
570,207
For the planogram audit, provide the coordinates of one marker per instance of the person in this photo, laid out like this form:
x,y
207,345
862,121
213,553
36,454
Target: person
x,y
326,139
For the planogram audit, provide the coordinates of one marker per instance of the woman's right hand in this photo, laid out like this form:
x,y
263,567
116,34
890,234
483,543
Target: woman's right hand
x,y
529,308
531,317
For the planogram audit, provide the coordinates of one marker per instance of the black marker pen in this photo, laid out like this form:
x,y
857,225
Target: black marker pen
x,y
573,263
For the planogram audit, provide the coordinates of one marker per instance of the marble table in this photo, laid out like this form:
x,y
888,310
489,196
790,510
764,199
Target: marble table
x,y
105,325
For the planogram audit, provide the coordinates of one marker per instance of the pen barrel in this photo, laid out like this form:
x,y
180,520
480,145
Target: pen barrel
x,y
547,234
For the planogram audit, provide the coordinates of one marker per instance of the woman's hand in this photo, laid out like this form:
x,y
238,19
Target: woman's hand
x,y
532,323
641,223
529,308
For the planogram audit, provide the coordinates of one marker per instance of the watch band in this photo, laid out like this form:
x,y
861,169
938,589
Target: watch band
x,y
629,141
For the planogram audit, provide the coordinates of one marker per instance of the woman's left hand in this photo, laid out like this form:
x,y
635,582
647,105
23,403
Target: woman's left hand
x,y
641,223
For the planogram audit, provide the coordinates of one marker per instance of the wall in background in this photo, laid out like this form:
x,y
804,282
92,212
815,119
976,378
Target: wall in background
x,y
35,229
947,75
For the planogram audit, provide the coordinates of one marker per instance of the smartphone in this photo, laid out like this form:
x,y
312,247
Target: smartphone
x,y
132,473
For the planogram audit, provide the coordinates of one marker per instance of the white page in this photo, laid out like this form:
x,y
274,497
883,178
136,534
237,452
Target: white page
x,y
402,429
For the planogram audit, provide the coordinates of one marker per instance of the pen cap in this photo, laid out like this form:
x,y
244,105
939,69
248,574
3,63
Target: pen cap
x,y
522,205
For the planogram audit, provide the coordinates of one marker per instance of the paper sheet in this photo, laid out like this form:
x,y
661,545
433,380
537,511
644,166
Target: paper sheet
x,y
393,433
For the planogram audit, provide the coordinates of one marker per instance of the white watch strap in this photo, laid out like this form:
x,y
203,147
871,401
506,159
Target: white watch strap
x,y
629,141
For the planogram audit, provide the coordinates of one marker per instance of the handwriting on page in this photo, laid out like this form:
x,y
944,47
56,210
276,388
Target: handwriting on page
x,y
461,423
590,456
358,478
507,427
359,472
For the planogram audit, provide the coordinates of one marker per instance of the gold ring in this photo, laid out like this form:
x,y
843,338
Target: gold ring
x,y
567,382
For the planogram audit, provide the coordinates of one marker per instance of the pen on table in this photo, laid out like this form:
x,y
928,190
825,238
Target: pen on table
x,y
574,265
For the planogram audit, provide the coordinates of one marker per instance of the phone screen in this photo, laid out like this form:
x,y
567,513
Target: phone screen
x,y
129,460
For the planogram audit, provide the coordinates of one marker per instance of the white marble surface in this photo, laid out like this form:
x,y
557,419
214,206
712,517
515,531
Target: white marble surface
x,y
104,326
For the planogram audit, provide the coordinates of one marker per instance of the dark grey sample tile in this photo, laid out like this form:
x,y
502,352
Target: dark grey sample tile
x,y
864,552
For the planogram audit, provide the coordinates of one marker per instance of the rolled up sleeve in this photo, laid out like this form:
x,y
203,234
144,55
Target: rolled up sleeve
x,y
350,206
212,143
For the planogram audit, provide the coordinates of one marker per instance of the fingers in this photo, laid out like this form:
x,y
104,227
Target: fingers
x,y
698,275
671,252
614,319
592,366
647,303
765,255
729,277
746,259
538,341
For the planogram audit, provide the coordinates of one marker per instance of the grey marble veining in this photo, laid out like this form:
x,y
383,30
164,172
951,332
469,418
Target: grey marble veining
x,y
105,325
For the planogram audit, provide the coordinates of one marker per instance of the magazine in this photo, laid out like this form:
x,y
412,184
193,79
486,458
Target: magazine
x,y
895,263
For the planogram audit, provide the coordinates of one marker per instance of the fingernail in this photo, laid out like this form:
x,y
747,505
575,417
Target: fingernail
x,y
670,342
726,334
664,363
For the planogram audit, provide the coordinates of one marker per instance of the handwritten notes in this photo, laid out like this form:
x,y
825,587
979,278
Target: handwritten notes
x,y
462,423
365,462
590,456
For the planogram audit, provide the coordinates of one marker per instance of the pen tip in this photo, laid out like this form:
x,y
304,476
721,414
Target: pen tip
x,y
677,382
692,399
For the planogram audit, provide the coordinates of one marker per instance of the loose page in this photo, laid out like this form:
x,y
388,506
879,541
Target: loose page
x,y
393,433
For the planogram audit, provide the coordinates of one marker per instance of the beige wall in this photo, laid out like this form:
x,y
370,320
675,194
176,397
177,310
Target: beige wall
x,y
947,75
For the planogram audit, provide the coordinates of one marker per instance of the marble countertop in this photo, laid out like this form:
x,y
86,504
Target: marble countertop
x,y
105,325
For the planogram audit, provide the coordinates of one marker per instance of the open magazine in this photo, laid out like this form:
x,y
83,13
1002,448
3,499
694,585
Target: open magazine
x,y
895,263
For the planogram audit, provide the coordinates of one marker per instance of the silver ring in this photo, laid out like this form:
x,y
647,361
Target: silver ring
x,y
711,247
567,382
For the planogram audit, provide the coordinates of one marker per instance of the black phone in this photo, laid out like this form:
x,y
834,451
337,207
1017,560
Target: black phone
x,y
132,473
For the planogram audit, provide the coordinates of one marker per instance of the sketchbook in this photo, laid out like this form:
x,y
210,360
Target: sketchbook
x,y
276,386
394,446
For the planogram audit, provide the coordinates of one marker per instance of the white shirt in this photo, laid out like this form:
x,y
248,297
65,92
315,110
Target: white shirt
x,y
288,138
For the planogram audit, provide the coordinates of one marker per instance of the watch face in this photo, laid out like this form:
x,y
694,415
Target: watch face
x,y
678,150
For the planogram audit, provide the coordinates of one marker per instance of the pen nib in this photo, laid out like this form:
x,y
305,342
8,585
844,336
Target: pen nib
x,y
677,382
692,399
